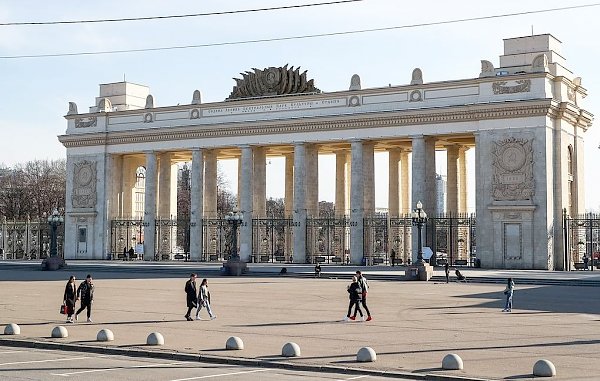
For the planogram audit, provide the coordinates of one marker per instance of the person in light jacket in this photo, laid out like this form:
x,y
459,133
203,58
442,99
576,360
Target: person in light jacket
x,y
508,291
204,300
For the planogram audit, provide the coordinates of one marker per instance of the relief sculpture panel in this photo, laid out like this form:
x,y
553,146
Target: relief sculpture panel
x,y
513,170
84,184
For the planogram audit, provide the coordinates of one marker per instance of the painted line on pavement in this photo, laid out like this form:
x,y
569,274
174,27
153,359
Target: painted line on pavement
x,y
222,375
115,368
51,360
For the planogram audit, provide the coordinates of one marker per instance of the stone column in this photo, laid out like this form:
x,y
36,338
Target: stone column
x,y
404,184
357,204
129,178
462,180
348,184
210,183
423,181
246,198
289,185
289,201
299,255
150,207
393,185
260,182
452,179
196,205
312,180
164,186
115,202
340,184
369,178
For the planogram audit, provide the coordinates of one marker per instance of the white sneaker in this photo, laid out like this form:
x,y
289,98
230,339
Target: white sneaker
x,y
362,318
346,318
89,320
198,318
213,317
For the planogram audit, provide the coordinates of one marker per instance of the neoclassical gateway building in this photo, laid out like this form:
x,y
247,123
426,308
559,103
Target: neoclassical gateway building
x,y
522,121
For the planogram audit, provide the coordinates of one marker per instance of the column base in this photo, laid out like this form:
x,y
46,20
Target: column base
x,y
419,271
234,267
53,263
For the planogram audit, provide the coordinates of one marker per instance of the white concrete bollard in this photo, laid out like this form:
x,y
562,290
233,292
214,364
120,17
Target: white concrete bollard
x,y
105,335
155,338
12,329
234,343
60,332
290,350
366,354
452,361
544,368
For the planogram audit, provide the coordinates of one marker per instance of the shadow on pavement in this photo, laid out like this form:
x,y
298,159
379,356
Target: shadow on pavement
x,y
285,324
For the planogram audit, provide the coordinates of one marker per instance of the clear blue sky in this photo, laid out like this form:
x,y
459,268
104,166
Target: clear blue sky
x,y
34,92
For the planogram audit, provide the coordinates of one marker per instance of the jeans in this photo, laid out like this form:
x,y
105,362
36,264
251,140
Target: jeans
x,y
356,304
206,304
85,304
508,305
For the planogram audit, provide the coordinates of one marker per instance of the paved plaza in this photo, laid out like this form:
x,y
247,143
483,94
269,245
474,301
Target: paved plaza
x,y
415,323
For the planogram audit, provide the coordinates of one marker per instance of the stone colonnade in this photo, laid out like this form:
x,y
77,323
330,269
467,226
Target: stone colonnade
x,y
354,191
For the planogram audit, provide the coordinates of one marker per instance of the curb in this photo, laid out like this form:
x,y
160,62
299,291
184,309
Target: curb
x,y
178,356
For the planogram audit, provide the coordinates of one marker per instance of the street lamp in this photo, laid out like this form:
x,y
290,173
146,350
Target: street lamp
x,y
234,219
419,218
54,220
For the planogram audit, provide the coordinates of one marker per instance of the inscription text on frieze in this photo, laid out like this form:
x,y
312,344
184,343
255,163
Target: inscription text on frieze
x,y
274,107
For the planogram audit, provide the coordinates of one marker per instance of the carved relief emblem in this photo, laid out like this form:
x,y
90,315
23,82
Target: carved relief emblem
x,y
513,170
88,122
522,86
84,185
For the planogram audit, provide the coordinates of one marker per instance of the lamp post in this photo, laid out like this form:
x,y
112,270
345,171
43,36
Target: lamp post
x,y
234,219
419,218
54,262
54,220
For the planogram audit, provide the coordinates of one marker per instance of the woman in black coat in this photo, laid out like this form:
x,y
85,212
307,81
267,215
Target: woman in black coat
x,y
69,298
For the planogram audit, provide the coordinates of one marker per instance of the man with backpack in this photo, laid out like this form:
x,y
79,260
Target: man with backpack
x,y
362,281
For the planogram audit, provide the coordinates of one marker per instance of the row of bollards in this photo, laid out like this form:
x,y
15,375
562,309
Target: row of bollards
x,y
452,361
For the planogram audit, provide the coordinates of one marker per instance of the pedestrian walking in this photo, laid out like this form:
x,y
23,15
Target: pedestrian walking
x,y
191,296
317,270
447,271
364,285
85,293
393,257
508,291
204,300
69,298
355,295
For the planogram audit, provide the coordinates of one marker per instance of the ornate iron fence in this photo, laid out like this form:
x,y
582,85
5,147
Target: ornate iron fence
x,y
328,239
452,239
272,239
216,239
582,241
28,239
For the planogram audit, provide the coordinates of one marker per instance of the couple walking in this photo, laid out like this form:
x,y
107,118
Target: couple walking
x,y
358,295
85,293
197,299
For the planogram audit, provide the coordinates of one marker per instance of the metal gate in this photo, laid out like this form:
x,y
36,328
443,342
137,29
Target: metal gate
x,y
28,239
452,239
215,239
328,240
272,239
582,241
400,235
376,240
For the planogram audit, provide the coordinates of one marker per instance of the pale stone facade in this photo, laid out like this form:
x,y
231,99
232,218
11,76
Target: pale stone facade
x,y
521,119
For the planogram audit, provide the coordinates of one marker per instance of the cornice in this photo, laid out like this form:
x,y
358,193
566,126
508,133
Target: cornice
x,y
450,114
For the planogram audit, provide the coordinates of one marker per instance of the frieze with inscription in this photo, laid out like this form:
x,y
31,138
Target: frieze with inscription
x,y
522,86
84,184
513,170
274,107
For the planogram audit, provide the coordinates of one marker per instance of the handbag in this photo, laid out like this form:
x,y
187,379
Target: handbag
x,y
63,309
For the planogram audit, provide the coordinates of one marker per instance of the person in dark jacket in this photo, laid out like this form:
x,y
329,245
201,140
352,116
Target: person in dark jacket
x,y
69,298
355,297
191,296
85,293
